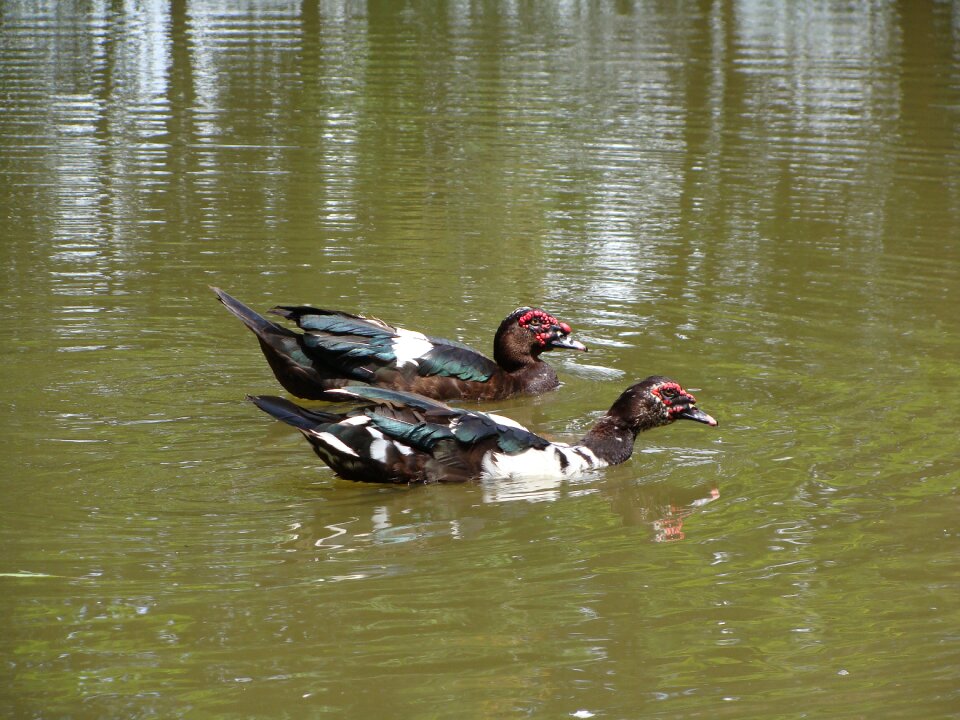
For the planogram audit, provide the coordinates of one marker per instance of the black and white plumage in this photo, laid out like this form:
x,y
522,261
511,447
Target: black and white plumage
x,y
400,437
337,348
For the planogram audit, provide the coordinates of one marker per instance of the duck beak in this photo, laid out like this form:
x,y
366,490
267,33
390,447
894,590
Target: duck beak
x,y
560,338
697,415
566,343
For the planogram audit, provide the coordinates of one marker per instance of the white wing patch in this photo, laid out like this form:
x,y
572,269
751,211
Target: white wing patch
x,y
334,443
501,420
379,443
410,346
378,446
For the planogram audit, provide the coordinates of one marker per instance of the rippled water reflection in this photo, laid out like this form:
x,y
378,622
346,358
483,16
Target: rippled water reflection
x,y
758,198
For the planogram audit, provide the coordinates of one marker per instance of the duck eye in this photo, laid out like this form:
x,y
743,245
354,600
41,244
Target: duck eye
x,y
669,392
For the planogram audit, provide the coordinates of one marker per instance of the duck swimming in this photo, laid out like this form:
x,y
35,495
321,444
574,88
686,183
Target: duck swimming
x,y
399,437
337,348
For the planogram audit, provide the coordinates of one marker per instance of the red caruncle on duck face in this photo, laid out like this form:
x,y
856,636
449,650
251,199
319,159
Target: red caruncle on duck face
x,y
674,397
542,324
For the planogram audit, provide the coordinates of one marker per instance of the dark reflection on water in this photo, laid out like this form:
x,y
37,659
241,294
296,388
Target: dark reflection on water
x,y
758,198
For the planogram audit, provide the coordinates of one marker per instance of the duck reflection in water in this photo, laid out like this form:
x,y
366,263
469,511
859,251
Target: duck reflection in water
x,y
669,528
401,515
663,510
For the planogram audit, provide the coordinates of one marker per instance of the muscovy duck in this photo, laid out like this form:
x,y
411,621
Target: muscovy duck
x,y
401,437
336,348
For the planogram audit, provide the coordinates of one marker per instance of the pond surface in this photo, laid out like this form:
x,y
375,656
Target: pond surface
x,y
760,199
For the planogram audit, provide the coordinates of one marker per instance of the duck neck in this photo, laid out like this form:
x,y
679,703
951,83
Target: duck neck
x,y
511,363
505,354
611,439
534,378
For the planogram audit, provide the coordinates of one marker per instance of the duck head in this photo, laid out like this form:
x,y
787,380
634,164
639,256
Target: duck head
x,y
657,401
528,332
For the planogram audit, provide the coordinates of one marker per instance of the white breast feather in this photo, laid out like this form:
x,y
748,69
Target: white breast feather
x,y
540,463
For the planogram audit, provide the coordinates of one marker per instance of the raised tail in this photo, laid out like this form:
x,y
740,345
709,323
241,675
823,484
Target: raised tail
x,y
252,319
300,374
293,414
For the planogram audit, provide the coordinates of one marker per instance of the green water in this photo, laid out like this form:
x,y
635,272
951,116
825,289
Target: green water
x,y
760,199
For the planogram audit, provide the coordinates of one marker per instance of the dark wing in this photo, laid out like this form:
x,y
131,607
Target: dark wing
x,y
333,321
476,427
412,419
354,347
394,436
363,345
422,423
453,359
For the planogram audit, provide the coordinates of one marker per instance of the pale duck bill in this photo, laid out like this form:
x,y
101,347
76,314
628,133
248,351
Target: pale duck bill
x,y
697,415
